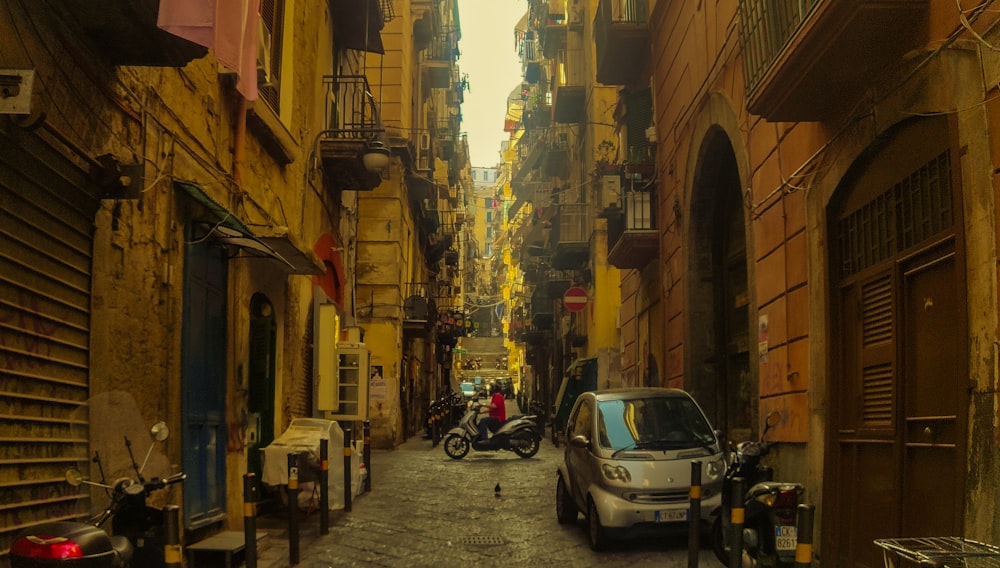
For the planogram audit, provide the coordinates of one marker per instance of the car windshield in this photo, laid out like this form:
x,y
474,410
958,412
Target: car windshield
x,y
656,423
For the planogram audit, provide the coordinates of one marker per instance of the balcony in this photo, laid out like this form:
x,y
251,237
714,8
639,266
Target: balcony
x,y
632,236
438,59
417,310
125,32
571,236
354,133
808,60
555,162
569,104
621,38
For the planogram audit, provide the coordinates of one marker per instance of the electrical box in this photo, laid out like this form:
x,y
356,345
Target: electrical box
x,y
352,383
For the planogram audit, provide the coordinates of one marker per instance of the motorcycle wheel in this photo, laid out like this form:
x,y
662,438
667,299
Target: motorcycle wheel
x,y
719,541
566,511
456,446
525,445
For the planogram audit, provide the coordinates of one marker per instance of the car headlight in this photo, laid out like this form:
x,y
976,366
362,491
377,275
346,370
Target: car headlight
x,y
715,469
616,473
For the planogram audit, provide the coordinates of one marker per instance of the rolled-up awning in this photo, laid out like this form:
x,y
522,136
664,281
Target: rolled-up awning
x,y
227,228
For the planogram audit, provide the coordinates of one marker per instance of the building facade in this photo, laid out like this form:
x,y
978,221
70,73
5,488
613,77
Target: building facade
x,y
177,247
804,225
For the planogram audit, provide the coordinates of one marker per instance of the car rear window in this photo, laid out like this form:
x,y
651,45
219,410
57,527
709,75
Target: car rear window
x,y
652,423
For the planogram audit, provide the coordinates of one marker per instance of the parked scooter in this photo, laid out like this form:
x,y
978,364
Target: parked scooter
x,y
138,529
518,434
770,507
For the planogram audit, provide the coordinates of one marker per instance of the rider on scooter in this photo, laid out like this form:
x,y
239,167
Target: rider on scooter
x,y
498,414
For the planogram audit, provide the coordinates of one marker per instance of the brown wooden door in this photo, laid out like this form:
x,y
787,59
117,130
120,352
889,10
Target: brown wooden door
x,y
899,391
935,396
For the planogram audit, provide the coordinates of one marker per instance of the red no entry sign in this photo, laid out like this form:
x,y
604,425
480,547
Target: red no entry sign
x,y
575,299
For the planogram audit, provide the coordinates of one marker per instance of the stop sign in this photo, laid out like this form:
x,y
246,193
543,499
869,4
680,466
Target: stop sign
x,y
575,299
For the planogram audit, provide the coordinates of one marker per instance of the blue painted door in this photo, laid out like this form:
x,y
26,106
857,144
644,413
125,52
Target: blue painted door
x,y
204,382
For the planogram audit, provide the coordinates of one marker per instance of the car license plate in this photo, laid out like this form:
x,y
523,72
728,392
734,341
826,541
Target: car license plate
x,y
671,516
784,537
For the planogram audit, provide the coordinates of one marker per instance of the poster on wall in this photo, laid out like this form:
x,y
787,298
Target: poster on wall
x,y
762,336
376,384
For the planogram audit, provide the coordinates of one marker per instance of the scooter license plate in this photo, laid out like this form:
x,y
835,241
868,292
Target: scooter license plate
x,y
784,537
671,516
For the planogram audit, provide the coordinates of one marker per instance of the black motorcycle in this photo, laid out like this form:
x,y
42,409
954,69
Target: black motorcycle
x,y
138,539
770,507
517,434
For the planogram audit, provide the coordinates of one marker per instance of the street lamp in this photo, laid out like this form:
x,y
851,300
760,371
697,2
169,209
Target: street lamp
x,y
376,157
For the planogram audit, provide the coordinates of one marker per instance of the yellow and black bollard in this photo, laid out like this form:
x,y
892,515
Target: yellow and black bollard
x,y
172,557
694,514
347,468
804,536
736,525
251,494
324,486
293,508
366,454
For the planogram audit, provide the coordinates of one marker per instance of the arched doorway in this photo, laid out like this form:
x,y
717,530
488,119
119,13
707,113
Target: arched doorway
x,y
260,379
899,386
718,310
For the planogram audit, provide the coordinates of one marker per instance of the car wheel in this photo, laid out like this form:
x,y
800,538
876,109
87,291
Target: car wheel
x,y
525,445
596,535
456,446
566,510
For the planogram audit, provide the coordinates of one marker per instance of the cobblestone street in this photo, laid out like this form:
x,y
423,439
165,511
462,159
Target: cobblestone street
x,y
426,509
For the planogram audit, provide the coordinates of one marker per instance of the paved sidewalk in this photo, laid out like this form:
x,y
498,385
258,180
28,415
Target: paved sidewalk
x,y
426,509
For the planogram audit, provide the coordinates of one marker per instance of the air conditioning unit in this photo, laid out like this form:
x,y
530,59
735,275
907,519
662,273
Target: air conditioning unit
x,y
611,191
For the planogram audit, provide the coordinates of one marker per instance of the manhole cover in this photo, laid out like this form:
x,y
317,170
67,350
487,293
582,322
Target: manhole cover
x,y
482,540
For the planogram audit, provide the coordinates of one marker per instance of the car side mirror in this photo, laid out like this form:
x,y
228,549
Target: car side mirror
x,y
580,441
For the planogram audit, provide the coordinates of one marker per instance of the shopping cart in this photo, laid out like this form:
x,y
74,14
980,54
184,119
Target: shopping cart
x,y
939,552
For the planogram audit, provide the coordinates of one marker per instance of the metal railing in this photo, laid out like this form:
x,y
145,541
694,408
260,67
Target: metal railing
x,y
352,112
766,26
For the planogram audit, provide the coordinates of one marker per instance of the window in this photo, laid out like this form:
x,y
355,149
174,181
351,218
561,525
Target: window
x,y
272,16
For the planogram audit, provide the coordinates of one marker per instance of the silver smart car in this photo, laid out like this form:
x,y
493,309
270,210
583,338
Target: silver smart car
x,y
628,460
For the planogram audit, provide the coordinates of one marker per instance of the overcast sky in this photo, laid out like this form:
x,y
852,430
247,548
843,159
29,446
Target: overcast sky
x,y
490,60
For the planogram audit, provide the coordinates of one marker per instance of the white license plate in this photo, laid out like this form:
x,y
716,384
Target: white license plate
x,y
784,537
670,516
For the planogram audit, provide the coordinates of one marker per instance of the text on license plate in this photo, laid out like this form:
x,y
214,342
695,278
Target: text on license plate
x,y
670,516
784,537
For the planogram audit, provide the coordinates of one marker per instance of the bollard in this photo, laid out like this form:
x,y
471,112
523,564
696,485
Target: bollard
x,y
324,486
347,468
804,536
251,494
172,557
694,514
736,525
366,453
293,508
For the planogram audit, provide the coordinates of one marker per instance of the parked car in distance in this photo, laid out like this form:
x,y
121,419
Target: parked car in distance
x,y
469,390
627,463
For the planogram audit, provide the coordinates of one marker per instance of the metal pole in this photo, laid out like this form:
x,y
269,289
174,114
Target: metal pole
x,y
694,516
804,536
293,508
347,468
366,453
251,493
324,486
736,525
172,556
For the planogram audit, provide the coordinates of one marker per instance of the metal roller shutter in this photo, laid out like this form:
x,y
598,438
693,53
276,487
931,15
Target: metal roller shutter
x,y
46,238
